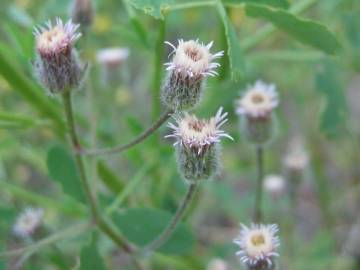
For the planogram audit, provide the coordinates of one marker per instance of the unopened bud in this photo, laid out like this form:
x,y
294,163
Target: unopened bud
x,y
57,65
256,110
82,12
191,64
197,145
217,264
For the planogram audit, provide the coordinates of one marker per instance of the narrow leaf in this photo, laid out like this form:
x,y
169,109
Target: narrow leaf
x,y
306,31
237,65
62,169
131,223
109,178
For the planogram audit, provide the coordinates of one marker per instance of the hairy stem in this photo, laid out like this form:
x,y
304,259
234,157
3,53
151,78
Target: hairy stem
x,y
170,228
103,225
259,184
139,139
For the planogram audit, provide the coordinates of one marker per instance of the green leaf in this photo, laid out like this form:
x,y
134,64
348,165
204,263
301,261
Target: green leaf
x,y
35,96
155,8
274,3
142,225
109,178
333,117
62,169
90,258
236,58
306,31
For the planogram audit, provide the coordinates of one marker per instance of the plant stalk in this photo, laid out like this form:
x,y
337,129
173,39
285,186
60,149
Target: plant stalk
x,y
139,139
259,184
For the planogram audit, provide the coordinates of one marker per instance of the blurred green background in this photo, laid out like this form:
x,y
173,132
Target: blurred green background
x,y
319,102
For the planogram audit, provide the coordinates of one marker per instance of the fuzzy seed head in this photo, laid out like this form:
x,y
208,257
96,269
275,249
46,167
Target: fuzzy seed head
x,y
193,59
83,12
217,264
297,159
258,245
258,101
28,221
197,145
112,57
274,184
190,64
53,40
57,66
199,134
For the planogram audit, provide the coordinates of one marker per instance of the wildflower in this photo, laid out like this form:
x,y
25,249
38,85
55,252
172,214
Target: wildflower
x,y
274,184
82,12
296,159
217,264
197,142
57,65
28,221
255,108
258,246
112,57
191,64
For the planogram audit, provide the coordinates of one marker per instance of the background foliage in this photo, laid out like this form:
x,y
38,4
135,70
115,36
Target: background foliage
x,y
309,48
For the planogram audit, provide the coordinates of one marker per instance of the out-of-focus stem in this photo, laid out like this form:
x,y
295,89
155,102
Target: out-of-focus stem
x,y
164,236
259,184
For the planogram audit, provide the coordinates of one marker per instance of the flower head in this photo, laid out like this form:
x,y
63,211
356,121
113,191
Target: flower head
x,y
258,245
28,221
258,101
83,12
197,145
56,39
297,158
274,184
57,65
193,59
199,134
190,64
112,57
217,264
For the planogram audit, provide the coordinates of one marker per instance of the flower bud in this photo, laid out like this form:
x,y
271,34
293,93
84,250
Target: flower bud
x,y
57,66
275,185
217,264
191,64
82,12
258,245
255,108
197,145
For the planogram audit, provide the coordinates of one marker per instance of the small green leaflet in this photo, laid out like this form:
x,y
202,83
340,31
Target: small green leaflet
x,y
62,169
306,31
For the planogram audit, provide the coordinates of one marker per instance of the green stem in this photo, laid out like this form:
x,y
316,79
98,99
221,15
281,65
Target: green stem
x,y
192,4
103,225
137,140
259,184
165,235
158,67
